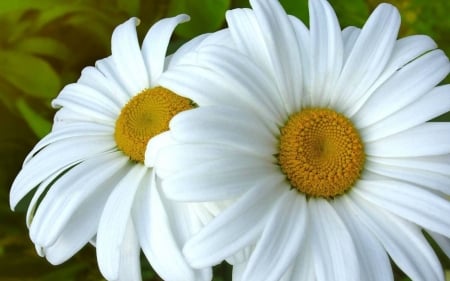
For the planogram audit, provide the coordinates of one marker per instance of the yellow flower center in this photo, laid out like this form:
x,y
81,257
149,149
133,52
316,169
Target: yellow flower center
x,y
145,116
321,152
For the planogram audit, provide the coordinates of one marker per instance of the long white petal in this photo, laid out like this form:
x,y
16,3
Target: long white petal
x,y
115,218
437,164
226,77
443,242
417,176
231,231
374,261
281,240
327,52
95,79
155,44
85,186
431,105
415,204
84,101
285,59
53,158
129,266
405,51
334,251
404,87
157,238
368,57
350,35
428,139
226,126
108,68
127,57
402,240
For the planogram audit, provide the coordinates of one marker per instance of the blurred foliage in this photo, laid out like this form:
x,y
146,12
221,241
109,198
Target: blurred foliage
x,y
45,44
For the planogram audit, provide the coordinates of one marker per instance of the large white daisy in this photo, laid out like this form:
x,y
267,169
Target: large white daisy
x,y
90,180
320,137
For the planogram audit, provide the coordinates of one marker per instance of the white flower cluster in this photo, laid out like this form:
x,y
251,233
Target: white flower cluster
x,y
291,152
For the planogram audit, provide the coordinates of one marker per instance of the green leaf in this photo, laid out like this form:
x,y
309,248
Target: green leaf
x,y
129,6
37,123
43,46
351,13
8,6
32,75
206,15
298,8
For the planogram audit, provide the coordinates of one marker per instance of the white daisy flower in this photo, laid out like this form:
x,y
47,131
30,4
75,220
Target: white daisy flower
x,y
90,180
320,137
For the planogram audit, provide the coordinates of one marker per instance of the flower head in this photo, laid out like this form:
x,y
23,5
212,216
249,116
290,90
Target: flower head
x,y
88,172
320,137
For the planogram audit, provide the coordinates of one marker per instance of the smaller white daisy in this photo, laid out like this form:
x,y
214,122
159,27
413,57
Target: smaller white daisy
x,y
321,137
88,172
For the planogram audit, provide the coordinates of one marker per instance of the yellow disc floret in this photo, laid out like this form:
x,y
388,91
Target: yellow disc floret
x,y
145,116
321,152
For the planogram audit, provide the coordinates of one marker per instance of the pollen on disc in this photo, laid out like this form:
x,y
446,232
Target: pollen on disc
x,y
320,152
146,115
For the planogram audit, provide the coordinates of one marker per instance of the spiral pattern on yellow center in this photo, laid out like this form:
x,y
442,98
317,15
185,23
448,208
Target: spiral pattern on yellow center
x,y
145,116
321,153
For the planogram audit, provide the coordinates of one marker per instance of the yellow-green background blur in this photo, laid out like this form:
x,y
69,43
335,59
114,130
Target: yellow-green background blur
x,y
44,44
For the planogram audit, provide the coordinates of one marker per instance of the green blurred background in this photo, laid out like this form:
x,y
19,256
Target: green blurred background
x,y
45,44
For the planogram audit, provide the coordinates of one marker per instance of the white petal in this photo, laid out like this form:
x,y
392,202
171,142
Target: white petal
x,y
225,77
184,53
405,51
442,241
69,131
248,36
155,145
326,51
404,87
226,126
130,264
155,44
37,197
127,57
86,101
76,234
235,228
55,158
428,179
180,157
115,218
93,78
253,34
428,139
159,241
285,60
108,68
402,240
374,261
255,88
333,250
437,164
303,268
431,105
219,179
303,36
281,240
349,36
369,56
85,186
238,270
408,201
